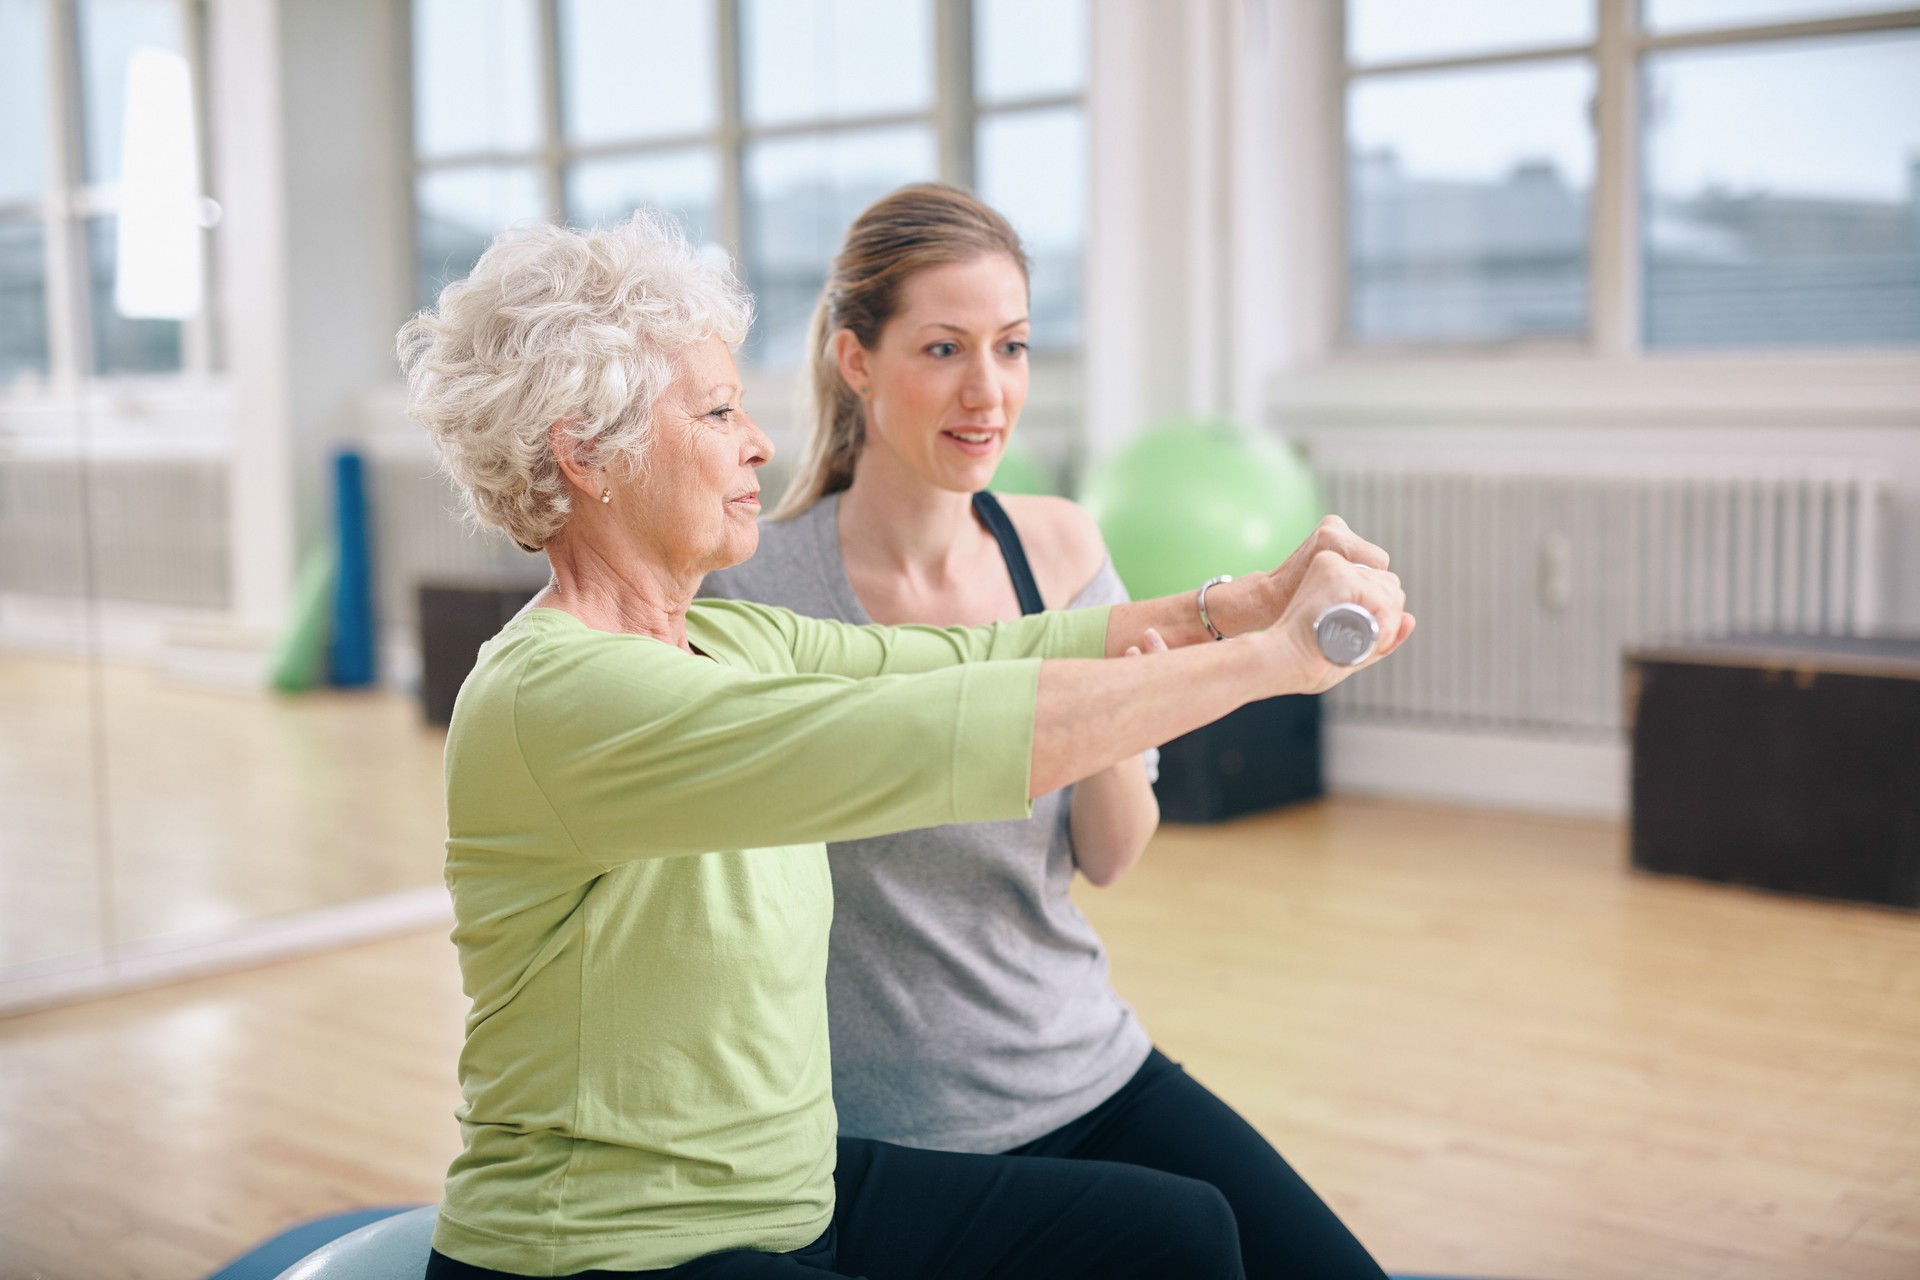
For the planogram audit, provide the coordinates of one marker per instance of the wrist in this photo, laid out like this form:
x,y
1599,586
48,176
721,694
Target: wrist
x,y
1244,605
1208,610
1288,668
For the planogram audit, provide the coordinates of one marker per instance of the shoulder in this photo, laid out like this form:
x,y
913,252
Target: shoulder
x,y
742,622
1063,543
532,679
725,614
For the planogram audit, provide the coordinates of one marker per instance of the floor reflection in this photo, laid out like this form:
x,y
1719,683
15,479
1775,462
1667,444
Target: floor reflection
x,y
223,807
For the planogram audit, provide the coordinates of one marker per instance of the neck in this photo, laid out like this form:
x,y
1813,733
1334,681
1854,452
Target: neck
x,y
894,520
611,587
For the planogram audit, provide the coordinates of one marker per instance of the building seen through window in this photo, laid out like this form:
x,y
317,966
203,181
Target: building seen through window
x,y
1469,203
1803,225
1777,173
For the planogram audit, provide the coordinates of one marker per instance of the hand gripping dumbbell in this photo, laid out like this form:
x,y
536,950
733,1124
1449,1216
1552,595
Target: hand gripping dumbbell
x,y
1347,634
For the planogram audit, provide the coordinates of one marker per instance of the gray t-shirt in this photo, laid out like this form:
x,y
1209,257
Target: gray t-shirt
x,y
967,997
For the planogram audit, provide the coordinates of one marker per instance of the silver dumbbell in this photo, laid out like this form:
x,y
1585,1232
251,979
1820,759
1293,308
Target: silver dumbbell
x,y
1347,634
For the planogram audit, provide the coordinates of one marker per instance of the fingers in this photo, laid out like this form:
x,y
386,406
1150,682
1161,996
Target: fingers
x,y
1329,578
1334,535
1395,638
1154,643
1382,595
1333,579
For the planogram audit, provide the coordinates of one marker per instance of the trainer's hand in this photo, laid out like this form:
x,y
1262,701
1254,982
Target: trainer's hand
x,y
1155,644
1330,578
1255,602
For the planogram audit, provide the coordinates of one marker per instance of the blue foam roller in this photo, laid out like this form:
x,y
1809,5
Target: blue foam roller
x,y
350,649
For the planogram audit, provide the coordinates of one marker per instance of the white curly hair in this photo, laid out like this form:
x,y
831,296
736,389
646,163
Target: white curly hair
x,y
556,325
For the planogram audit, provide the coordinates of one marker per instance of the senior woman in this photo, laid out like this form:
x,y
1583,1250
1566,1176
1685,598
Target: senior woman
x,y
639,788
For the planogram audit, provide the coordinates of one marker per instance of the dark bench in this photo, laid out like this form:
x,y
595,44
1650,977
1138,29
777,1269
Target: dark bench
x,y
1784,762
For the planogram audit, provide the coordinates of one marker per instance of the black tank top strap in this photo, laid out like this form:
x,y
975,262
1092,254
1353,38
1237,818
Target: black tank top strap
x,y
994,516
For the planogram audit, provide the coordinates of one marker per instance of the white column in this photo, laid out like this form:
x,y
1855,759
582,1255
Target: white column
x,y
349,224
1137,219
249,175
310,136
1289,168
1191,306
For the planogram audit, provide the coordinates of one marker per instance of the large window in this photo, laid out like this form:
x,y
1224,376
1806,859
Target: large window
x,y
764,126
64,74
1639,174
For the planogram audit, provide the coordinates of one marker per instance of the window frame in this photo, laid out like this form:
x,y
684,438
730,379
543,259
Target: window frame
x,y
955,115
1617,52
69,202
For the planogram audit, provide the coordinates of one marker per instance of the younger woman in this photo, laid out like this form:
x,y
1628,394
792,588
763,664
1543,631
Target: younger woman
x,y
968,999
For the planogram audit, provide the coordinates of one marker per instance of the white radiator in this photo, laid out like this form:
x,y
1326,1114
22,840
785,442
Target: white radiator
x,y
158,531
1529,587
161,529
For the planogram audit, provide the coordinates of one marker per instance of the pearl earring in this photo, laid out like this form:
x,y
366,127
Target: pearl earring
x,y
606,495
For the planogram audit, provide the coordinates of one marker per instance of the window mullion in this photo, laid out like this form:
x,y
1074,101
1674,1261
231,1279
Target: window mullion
x,y
1466,61
1759,32
1339,186
730,224
953,89
553,152
68,338
1614,258
196,334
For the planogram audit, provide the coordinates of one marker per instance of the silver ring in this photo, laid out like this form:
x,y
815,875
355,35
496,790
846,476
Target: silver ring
x,y
1347,634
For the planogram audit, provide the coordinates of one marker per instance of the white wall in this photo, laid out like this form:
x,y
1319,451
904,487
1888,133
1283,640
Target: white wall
x,y
310,127
1174,246
348,217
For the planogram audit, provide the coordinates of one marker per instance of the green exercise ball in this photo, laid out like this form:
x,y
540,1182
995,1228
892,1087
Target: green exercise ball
x,y
1021,472
1192,500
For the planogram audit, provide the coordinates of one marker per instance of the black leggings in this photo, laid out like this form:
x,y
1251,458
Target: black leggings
x,y
904,1214
1165,1119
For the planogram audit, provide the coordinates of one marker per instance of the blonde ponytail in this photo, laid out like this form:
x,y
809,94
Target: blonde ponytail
x,y
837,415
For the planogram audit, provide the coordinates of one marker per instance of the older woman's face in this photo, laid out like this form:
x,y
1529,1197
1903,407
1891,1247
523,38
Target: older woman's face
x,y
696,504
949,372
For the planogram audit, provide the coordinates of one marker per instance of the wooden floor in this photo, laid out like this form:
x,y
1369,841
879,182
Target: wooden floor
x,y
1491,1047
222,808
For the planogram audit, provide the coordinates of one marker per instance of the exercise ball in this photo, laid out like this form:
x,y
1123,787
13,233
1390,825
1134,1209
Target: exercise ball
x,y
393,1248
1021,472
1191,500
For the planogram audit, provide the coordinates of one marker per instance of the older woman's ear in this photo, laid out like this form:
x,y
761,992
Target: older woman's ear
x,y
567,450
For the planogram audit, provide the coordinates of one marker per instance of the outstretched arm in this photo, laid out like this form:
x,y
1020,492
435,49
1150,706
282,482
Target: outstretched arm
x,y
1250,603
1090,715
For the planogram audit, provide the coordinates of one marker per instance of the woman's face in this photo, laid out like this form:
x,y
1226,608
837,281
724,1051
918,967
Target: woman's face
x,y
948,377
695,504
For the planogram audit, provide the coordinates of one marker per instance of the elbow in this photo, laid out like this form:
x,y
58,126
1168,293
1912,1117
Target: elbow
x,y
1108,849
1103,872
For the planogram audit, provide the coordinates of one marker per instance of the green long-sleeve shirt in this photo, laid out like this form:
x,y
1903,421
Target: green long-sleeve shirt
x,y
642,906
